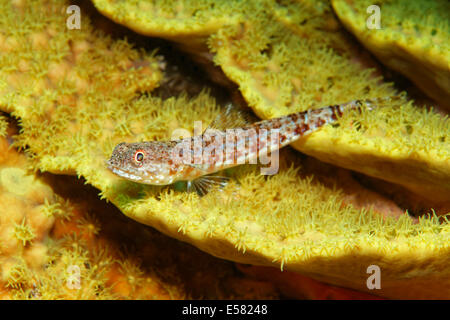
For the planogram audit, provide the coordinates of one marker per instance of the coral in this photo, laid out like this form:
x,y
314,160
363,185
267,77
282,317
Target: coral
x,y
24,226
412,39
300,61
189,22
282,72
23,223
289,56
55,68
35,263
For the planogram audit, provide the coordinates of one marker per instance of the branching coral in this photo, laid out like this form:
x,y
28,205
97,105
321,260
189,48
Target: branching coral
x,y
412,38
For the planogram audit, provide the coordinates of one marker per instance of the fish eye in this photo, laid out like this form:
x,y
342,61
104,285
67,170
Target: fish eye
x,y
139,156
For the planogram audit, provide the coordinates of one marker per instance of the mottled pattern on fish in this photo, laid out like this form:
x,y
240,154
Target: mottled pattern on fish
x,y
162,163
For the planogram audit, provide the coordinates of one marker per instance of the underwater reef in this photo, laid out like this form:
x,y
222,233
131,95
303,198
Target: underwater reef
x,y
371,189
413,40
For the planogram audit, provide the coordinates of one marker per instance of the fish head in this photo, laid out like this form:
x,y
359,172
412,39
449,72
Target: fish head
x,y
143,162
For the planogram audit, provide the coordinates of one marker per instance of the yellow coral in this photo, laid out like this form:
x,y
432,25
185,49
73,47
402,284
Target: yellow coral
x,y
23,227
284,73
65,66
412,38
280,70
188,22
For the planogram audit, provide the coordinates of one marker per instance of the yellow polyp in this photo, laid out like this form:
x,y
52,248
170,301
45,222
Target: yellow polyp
x,y
23,233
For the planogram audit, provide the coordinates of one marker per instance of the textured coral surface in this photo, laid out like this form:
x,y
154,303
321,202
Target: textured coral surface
x,y
412,38
78,93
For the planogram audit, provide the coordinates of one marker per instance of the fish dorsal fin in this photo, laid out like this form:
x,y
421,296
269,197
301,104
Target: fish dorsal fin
x,y
231,117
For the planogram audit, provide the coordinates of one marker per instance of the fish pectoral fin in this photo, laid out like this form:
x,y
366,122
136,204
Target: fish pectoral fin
x,y
205,184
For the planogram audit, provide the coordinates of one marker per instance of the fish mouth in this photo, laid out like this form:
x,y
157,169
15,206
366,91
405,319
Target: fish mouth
x,y
123,173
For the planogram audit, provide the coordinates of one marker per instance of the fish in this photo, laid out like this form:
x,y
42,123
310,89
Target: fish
x,y
195,159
